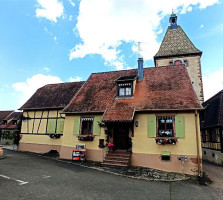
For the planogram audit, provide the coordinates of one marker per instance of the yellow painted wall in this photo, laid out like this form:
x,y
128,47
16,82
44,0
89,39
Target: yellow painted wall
x,y
184,146
70,140
27,127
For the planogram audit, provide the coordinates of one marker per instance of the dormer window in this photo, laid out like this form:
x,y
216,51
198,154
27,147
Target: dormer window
x,y
4,122
124,86
14,122
125,89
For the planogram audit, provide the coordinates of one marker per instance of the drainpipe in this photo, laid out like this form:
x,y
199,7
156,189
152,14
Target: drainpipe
x,y
198,144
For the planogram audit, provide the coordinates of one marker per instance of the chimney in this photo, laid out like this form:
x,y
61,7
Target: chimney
x,y
140,68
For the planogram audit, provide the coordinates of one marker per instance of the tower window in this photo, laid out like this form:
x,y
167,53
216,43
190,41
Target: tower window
x,y
177,62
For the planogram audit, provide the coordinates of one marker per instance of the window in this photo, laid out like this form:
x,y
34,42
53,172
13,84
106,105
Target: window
x,y
165,126
125,89
14,122
171,63
4,122
165,158
177,62
86,126
185,63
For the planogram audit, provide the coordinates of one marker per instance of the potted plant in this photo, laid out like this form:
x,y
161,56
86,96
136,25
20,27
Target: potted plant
x,y
111,146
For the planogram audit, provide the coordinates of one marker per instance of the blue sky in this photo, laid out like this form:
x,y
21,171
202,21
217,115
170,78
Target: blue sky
x,y
52,41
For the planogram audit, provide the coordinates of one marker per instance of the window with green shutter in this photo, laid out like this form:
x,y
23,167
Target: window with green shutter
x,y
51,126
76,125
60,126
96,127
180,126
151,126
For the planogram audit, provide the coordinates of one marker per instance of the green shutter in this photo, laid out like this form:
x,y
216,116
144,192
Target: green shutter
x,y
180,127
76,125
152,126
51,126
60,126
96,127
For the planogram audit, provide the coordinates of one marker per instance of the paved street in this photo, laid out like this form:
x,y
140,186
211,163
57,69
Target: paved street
x,y
27,176
215,173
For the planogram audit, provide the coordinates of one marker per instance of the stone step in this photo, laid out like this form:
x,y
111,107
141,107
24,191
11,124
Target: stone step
x,y
119,154
117,157
115,164
116,161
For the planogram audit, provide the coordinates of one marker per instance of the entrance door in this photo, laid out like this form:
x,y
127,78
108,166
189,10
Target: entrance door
x,y
121,137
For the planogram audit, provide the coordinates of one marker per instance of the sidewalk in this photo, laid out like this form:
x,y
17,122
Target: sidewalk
x,y
10,147
215,173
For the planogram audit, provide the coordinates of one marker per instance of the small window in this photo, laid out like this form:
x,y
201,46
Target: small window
x,y
4,122
171,63
14,122
86,126
185,63
165,158
177,62
165,126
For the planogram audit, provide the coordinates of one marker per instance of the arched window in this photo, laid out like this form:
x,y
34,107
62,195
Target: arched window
x,y
177,62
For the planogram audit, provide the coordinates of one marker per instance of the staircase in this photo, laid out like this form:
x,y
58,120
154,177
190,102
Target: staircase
x,y
120,158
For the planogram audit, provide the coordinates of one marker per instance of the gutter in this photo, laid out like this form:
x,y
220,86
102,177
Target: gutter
x,y
198,145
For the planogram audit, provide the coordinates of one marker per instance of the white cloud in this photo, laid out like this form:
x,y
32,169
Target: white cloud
x,y
202,26
72,3
50,9
46,69
213,83
75,79
104,25
25,90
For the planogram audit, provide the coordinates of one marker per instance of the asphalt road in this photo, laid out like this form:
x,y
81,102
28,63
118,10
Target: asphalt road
x,y
28,176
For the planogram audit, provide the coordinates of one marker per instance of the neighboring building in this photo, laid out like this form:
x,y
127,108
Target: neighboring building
x,y
176,48
212,129
153,113
42,117
8,125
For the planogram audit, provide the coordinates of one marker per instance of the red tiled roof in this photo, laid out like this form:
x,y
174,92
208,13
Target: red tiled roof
x,y
120,111
162,88
11,117
52,96
4,114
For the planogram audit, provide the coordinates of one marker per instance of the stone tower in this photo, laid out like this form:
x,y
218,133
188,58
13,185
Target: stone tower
x,y
177,49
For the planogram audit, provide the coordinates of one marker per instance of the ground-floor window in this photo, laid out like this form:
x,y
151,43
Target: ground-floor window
x,y
165,126
87,126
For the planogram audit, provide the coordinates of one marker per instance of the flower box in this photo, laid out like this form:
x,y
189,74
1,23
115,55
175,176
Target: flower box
x,y
85,137
166,141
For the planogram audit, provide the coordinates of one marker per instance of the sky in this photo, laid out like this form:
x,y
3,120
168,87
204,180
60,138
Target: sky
x,y
55,41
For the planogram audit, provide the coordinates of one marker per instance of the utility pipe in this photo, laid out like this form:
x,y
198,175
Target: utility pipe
x,y
198,144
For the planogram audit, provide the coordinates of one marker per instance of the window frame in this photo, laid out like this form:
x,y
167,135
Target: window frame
x,y
124,86
173,125
84,119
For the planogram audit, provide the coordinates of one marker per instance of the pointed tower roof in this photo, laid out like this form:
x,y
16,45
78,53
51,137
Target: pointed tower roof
x,y
176,42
